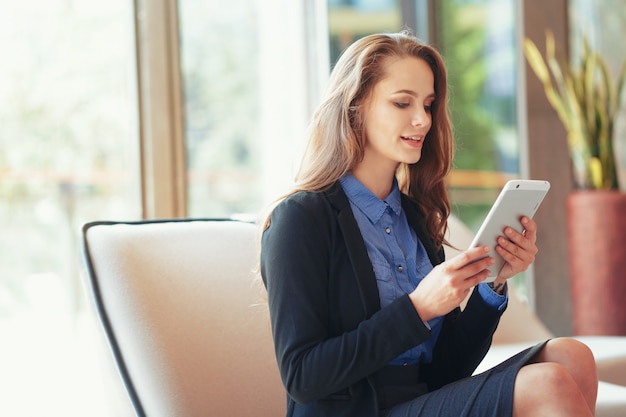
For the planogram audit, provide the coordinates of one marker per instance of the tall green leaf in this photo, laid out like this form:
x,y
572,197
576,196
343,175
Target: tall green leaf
x,y
587,101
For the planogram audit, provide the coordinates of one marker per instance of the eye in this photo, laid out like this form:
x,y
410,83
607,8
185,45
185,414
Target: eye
x,y
428,107
402,105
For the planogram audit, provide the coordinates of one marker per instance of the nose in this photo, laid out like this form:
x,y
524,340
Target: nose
x,y
420,118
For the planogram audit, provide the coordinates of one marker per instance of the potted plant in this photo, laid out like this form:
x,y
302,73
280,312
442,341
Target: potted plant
x,y
587,100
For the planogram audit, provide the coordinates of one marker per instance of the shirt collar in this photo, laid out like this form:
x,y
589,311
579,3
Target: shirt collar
x,y
372,206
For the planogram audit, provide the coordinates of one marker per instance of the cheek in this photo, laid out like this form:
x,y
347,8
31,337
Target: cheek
x,y
379,120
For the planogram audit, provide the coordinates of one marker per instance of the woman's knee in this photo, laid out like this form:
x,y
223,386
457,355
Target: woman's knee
x,y
547,387
574,355
544,378
565,349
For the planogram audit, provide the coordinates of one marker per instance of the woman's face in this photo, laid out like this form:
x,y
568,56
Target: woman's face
x,y
397,114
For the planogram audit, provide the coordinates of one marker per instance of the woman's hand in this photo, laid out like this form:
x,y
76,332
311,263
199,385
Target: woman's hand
x,y
447,285
518,250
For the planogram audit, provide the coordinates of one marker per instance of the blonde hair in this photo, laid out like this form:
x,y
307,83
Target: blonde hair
x,y
336,139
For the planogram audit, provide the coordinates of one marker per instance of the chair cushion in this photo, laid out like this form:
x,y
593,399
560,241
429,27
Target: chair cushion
x,y
611,400
610,355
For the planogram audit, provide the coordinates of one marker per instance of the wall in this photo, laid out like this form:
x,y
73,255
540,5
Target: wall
x,y
548,159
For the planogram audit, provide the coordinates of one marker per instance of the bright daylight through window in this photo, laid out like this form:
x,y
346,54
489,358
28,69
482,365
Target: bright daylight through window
x,y
68,154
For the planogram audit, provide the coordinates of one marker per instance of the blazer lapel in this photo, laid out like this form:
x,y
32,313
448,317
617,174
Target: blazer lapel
x,y
357,251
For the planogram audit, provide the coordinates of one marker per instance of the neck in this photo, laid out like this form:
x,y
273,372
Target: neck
x,y
379,183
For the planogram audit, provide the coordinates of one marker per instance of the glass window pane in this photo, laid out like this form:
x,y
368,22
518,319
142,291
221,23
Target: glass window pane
x,y
219,57
477,39
246,92
68,154
349,20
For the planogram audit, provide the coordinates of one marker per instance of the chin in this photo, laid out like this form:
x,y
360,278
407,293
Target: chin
x,y
413,160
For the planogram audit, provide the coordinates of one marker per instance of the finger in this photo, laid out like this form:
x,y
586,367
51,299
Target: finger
x,y
516,257
469,256
516,239
530,228
524,250
527,237
508,253
477,278
479,268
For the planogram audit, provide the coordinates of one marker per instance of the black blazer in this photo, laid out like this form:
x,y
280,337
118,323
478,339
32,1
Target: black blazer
x,y
330,334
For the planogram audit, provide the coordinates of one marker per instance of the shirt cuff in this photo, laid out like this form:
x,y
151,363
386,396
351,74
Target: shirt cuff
x,y
492,298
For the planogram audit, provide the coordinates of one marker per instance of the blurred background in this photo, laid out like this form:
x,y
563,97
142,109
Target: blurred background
x,y
123,110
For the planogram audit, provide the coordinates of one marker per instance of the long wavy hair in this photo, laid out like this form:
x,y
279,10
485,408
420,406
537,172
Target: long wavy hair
x,y
336,134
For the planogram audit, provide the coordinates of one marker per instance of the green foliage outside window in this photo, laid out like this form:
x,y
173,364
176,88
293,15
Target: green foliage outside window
x,y
461,41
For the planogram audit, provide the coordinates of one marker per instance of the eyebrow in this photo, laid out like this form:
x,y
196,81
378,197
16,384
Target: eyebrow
x,y
413,93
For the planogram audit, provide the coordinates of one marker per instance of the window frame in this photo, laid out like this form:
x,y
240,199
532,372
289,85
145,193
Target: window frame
x,y
160,102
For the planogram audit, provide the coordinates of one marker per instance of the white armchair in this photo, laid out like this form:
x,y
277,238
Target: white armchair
x,y
184,316
183,312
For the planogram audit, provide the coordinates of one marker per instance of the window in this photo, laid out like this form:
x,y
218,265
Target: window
x,y
249,87
220,67
349,20
71,151
68,154
477,40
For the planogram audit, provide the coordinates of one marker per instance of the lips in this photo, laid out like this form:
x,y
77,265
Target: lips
x,y
416,138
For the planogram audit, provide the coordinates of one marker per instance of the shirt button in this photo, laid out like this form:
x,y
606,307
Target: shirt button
x,y
400,269
388,230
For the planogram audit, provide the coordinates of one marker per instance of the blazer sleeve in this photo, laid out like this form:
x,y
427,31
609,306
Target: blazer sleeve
x,y
463,341
296,251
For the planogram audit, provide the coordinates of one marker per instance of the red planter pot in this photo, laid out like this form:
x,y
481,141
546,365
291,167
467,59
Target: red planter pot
x,y
596,224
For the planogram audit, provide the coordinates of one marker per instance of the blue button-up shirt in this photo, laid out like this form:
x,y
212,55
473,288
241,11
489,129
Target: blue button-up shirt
x,y
398,257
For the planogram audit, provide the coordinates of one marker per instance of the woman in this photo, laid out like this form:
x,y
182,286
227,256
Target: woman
x,y
364,308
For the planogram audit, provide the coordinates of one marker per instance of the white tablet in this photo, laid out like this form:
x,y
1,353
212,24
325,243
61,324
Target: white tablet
x,y
518,198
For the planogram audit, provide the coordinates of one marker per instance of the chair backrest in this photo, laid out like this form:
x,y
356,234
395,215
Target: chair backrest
x,y
185,316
